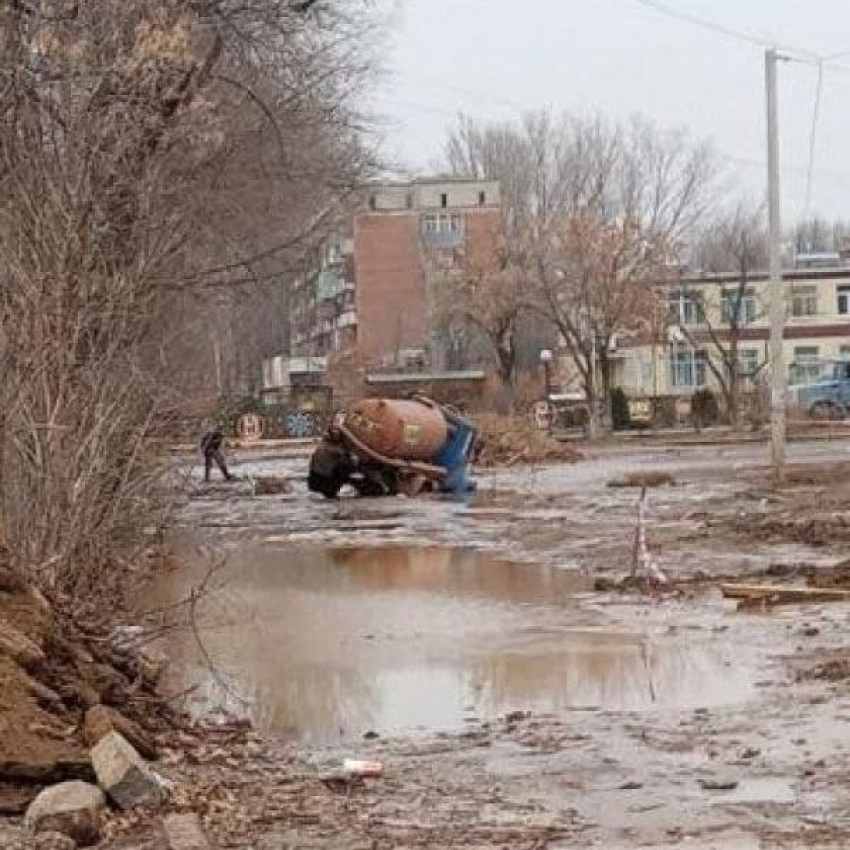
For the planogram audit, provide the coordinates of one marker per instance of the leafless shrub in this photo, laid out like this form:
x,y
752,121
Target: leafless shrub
x,y
144,148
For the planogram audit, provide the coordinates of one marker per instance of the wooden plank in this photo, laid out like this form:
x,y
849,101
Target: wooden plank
x,y
783,593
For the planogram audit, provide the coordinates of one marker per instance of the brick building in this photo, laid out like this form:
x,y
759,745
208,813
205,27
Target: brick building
x,y
401,229
371,294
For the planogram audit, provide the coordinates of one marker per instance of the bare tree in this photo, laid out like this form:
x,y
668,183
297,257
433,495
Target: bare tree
x,y
482,292
633,193
820,235
736,242
143,152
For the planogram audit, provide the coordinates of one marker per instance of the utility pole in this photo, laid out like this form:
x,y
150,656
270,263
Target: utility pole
x,y
777,288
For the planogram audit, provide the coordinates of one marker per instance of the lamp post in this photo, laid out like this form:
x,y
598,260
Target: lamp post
x,y
546,359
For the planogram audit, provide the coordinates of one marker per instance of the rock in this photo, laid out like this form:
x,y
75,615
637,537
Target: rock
x,y
718,783
184,832
152,664
100,720
124,774
19,647
646,478
271,485
54,841
72,808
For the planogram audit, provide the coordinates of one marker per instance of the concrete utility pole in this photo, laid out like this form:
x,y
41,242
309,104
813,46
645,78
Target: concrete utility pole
x,y
777,288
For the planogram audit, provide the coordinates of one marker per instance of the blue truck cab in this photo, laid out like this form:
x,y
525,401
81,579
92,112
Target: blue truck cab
x,y
829,396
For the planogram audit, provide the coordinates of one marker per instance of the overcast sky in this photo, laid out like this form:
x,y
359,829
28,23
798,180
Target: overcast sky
x,y
496,58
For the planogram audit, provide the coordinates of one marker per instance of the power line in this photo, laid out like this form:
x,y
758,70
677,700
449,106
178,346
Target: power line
x,y
721,29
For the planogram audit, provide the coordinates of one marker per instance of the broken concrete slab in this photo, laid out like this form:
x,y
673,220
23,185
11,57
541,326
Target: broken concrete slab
x,y
184,832
72,808
100,720
124,775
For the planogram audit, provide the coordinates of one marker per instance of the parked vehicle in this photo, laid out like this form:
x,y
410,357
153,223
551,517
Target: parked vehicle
x,y
829,396
383,447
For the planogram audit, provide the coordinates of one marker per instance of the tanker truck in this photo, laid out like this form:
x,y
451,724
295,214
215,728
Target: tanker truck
x,y
383,447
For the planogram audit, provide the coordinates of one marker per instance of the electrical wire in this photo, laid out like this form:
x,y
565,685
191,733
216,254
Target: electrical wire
x,y
728,32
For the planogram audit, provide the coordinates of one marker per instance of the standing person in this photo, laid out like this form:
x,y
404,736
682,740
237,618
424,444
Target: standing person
x,y
211,444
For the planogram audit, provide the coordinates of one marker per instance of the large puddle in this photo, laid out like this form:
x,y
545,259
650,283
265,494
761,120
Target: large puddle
x,y
329,644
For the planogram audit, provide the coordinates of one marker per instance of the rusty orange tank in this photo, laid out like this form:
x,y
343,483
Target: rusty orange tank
x,y
396,428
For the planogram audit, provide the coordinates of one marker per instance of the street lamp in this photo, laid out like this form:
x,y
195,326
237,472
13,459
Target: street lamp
x,y
546,358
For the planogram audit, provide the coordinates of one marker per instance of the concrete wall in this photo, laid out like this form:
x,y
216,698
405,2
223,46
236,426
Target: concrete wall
x,y
427,195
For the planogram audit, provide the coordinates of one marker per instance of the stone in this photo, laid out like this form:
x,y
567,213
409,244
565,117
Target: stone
x,y
152,663
54,841
718,783
19,647
100,720
184,832
72,808
124,775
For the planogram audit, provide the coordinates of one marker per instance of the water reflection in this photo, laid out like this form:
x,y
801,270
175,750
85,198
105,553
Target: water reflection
x,y
326,644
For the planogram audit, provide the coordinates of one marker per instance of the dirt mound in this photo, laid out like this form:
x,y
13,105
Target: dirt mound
x,y
504,441
836,670
648,478
50,674
813,530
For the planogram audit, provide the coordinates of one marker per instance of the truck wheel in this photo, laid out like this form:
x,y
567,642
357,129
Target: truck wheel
x,y
826,410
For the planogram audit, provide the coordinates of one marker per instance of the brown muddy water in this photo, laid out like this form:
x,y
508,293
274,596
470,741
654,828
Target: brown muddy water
x,y
328,644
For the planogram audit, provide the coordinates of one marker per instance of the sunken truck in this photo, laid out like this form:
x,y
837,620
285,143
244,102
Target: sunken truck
x,y
385,447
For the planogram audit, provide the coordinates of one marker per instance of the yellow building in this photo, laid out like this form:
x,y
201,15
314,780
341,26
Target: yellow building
x,y
674,359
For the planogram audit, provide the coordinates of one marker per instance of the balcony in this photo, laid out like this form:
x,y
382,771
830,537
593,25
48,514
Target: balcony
x,y
347,320
443,238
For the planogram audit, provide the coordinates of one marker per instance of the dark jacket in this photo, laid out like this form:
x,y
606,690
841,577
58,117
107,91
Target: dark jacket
x,y
211,441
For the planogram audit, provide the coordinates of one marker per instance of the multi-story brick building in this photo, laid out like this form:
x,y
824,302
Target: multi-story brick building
x,y
401,230
371,293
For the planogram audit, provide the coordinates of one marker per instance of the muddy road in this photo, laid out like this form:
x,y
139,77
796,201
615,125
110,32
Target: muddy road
x,y
467,646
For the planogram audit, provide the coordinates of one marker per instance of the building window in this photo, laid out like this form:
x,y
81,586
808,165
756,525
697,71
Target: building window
x,y
685,308
444,200
748,365
482,199
687,367
442,223
804,301
844,351
843,299
738,312
806,367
